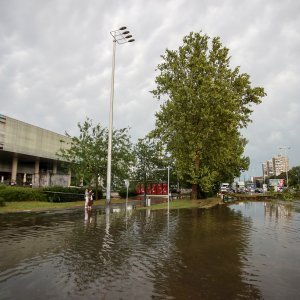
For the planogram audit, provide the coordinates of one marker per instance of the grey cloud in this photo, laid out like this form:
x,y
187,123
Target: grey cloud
x,y
55,62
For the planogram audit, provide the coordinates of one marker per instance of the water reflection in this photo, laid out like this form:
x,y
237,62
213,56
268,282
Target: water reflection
x,y
221,253
274,242
87,216
279,210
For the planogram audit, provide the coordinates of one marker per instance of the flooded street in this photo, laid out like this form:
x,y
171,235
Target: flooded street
x,y
246,250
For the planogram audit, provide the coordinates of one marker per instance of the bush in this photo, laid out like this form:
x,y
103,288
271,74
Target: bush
x,y
131,192
51,194
66,194
288,194
2,203
11,193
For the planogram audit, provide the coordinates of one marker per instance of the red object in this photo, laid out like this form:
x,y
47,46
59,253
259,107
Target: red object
x,y
149,189
154,189
159,188
138,189
142,190
165,189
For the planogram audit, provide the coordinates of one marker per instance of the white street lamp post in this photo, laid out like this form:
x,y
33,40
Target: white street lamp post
x,y
168,189
120,36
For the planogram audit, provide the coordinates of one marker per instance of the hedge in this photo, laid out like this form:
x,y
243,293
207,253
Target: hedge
x,y
131,192
51,194
66,194
2,203
12,193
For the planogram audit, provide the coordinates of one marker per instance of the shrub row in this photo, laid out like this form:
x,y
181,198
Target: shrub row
x,y
69,194
12,193
51,194
2,203
131,192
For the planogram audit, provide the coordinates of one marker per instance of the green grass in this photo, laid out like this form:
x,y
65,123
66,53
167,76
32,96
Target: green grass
x,y
175,204
185,203
40,206
16,206
36,206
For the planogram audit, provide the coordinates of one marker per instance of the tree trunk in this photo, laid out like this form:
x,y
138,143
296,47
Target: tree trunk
x,y
194,195
145,187
96,194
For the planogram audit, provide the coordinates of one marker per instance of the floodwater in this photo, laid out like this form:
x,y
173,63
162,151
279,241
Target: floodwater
x,y
246,250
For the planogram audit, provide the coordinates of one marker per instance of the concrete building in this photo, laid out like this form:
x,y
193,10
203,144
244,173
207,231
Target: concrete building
x,y
28,155
275,166
280,164
270,168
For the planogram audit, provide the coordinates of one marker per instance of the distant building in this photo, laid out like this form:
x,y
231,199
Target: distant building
x,y
28,155
280,164
270,168
275,166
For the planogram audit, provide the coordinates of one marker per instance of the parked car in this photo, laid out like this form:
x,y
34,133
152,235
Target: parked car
x,y
224,187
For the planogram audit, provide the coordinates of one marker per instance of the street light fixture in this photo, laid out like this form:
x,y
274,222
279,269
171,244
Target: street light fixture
x,y
121,37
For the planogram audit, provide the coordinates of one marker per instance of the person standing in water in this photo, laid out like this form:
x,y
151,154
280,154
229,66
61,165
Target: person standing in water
x,y
90,202
86,198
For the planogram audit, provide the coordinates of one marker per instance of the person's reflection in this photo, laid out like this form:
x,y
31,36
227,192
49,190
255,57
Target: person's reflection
x,y
87,216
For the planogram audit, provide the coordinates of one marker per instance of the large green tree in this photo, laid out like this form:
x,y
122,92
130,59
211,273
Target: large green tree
x,y
205,104
87,154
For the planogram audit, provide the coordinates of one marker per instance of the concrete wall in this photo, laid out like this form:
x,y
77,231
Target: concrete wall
x,y
19,137
43,180
28,151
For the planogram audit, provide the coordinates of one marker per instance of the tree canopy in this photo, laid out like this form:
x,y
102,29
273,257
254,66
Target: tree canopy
x,y
87,154
205,104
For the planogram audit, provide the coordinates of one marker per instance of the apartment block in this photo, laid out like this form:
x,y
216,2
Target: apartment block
x,y
275,166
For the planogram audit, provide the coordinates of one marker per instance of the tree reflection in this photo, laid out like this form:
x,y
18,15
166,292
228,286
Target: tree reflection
x,y
207,260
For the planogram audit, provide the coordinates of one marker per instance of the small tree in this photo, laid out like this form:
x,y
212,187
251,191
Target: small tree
x,y
87,155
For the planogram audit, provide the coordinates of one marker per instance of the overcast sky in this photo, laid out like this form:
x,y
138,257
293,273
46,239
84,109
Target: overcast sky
x,y
55,62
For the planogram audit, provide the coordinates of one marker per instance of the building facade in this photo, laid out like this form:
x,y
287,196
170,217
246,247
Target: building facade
x,y
280,164
28,155
275,166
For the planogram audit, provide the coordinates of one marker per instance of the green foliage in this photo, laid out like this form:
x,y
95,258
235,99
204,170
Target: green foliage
x,y
131,192
288,194
294,177
61,189
2,203
205,105
67,194
87,154
149,157
11,193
